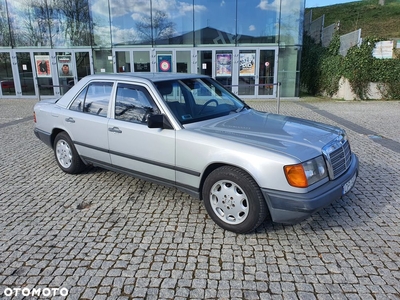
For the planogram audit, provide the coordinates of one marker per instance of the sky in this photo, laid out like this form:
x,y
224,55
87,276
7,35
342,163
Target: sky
x,y
320,3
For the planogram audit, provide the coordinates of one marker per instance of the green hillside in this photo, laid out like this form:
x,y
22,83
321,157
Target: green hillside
x,y
373,19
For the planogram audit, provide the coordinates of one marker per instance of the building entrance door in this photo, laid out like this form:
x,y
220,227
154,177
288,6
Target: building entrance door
x,y
72,66
34,73
7,87
26,74
267,73
257,73
127,60
218,64
247,72
154,60
83,64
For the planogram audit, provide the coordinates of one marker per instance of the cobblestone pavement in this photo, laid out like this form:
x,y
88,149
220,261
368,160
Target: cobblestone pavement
x,y
102,235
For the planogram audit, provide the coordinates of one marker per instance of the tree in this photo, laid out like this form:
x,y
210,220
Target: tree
x,y
75,21
156,28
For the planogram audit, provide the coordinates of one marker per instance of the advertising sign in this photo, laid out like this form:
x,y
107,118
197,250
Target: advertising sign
x,y
247,64
164,63
64,65
42,63
383,50
224,64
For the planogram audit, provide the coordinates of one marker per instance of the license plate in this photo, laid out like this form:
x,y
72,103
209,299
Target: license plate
x,y
349,184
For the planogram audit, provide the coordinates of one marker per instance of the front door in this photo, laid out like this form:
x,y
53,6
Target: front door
x,y
133,146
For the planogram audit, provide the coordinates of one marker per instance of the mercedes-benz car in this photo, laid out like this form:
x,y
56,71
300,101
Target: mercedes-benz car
x,y
189,132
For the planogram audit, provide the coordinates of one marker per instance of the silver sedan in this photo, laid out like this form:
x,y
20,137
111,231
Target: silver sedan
x,y
188,131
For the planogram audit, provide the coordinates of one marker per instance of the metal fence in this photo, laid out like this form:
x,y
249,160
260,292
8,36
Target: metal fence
x,y
324,35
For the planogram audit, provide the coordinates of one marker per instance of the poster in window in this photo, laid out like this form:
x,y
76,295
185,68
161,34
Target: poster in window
x,y
64,65
224,64
164,63
247,64
43,65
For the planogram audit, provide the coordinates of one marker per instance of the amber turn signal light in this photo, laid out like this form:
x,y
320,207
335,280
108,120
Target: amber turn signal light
x,y
296,176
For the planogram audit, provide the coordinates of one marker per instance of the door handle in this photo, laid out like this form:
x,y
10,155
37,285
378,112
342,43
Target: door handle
x,y
70,120
115,129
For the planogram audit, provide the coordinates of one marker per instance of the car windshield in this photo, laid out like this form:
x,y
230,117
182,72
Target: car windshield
x,y
198,99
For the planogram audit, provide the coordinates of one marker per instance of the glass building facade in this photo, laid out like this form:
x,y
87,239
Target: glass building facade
x,y
46,46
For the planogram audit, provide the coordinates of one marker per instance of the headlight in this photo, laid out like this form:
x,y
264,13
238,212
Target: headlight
x,y
305,174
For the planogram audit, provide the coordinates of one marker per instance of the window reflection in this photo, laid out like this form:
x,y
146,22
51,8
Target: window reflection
x,y
152,23
25,73
258,22
31,22
99,10
4,28
45,23
215,22
125,19
141,61
6,76
291,20
103,23
73,24
102,60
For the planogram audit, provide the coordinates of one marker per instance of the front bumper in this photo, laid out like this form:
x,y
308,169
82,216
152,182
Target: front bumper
x,y
289,208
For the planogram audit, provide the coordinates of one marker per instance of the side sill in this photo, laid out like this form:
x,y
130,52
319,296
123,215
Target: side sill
x,y
192,191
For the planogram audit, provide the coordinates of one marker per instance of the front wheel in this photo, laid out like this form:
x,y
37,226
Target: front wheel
x,y
66,155
234,200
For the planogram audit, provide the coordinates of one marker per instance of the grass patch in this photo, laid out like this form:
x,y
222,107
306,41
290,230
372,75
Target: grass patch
x,y
373,19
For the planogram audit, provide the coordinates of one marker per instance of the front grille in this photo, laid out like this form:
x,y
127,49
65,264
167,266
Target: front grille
x,y
338,157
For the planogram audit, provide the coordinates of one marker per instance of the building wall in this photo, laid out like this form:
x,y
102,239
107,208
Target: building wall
x,y
103,25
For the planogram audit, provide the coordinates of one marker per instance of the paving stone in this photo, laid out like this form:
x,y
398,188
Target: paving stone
x,y
134,239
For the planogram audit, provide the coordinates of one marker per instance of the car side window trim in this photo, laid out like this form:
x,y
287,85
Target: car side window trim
x,y
133,103
94,98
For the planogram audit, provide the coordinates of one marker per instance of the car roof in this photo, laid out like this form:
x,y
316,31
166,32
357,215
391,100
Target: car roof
x,y
134,76
152,76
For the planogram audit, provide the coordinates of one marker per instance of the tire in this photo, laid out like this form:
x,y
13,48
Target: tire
x,y
234,200
66,155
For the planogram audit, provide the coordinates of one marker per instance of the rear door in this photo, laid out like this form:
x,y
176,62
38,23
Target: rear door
x,y
86,122
145,152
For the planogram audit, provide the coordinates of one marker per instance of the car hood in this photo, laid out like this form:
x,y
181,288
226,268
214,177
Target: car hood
x,y
299,138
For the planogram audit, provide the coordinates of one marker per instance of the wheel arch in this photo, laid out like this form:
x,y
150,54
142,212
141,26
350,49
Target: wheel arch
x,y
54,133
210,168
228,213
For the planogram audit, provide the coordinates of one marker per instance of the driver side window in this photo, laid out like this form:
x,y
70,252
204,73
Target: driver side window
x,y
133,104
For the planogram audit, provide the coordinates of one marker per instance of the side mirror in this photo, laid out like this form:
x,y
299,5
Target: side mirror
x,y
158,121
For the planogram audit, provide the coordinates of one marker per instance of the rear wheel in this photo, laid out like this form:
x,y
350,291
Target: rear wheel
x,y
66,155
234,200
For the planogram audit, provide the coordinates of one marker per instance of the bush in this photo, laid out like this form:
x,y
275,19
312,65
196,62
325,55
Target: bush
x,y
322,68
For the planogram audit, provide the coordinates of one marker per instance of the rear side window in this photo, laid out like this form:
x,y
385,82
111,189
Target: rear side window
x,y
94,99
